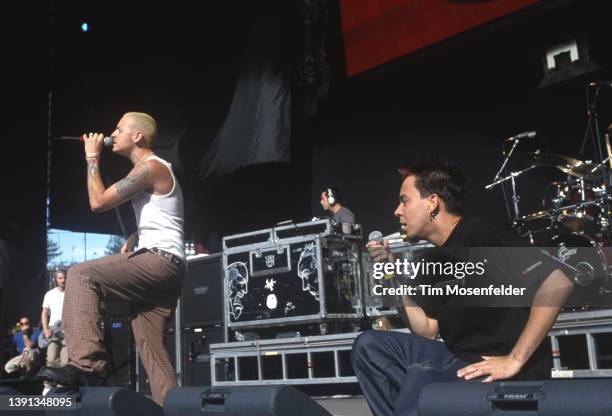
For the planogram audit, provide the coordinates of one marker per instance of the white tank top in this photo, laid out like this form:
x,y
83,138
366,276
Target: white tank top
x,y
160,217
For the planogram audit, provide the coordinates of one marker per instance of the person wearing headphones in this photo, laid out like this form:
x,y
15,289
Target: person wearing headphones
x,y
330,201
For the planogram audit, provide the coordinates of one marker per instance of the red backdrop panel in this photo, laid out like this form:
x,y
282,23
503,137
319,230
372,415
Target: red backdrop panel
x,y
377,31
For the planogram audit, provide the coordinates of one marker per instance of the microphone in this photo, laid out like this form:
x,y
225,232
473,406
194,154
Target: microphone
x,y
378,237
601,84
524,135
108,141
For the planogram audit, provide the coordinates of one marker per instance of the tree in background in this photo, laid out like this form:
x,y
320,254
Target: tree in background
x,y
114,245
53,250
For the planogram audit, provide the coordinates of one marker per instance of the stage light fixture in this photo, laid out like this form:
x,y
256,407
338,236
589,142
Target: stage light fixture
x,y
84,27
566,60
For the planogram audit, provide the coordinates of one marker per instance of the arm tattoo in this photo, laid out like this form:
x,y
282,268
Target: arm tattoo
x,y
136,181
92,168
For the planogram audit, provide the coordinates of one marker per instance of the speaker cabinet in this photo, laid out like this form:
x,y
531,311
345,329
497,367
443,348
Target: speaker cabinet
x,y
119,344
202,293
106,401
241,401
544,398
195,356
143,379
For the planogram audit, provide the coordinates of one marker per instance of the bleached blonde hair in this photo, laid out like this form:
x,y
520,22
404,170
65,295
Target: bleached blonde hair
x,y
145,124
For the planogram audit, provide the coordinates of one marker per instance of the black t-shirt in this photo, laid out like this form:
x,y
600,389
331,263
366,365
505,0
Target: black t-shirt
x,y
473,331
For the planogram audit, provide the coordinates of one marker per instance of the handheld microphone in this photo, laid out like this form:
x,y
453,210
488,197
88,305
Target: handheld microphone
x,y
601,84
108,141
378,237
524,135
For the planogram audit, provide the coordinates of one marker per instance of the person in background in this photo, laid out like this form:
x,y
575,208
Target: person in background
x,y
51,320
25,343
331,201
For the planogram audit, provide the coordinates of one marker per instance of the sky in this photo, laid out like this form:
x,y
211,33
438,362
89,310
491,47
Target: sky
x,y
73,245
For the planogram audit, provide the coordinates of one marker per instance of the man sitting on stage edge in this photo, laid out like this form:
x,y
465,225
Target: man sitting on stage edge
x,y
480,343
150,278
25,341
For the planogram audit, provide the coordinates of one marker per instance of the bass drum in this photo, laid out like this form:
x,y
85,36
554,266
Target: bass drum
x,y
585,217
587,263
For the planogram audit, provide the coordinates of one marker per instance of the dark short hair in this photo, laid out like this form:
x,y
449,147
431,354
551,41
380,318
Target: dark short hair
x,y
55,272
334,190
440,177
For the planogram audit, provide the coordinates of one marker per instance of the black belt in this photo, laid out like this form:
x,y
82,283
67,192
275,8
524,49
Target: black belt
x,y
172,257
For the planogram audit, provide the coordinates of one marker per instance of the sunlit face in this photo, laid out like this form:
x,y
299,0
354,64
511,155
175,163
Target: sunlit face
x,y
60,280
413,210
324,201
24,324
124,136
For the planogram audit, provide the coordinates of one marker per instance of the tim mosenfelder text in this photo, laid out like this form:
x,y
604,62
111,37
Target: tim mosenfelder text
x,y
456,270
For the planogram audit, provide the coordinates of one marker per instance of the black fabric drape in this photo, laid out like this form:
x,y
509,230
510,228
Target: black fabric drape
x,y
257,128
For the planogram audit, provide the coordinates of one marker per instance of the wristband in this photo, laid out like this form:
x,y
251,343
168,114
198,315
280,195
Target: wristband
x,y
91,155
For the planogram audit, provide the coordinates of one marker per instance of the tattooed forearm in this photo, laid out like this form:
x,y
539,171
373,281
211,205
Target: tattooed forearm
x,y
92,168
136,181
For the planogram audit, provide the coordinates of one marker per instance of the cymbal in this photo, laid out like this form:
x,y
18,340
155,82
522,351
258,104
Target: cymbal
x,y
536,216
580,170
545,160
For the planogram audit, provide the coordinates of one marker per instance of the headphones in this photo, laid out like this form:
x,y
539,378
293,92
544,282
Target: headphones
x,y
331,197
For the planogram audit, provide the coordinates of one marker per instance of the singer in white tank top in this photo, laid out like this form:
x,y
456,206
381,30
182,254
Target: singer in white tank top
x,y
149,278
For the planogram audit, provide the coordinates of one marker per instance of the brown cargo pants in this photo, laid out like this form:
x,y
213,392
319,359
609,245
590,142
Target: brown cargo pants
x,y
151,283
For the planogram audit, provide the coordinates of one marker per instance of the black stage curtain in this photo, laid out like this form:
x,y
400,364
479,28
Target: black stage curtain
x,y
257,128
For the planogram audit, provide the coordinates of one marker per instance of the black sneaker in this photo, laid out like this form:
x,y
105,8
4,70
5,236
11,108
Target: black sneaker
x,y
27,375
71,376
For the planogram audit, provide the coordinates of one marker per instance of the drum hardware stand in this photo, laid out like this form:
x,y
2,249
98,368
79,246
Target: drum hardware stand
x,y
501,169
515,197
508,156
529,234
582,190
593,128
605,185
600,165
577,205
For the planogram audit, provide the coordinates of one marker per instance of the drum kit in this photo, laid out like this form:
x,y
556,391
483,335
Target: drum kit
x,y
577,213
582,203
